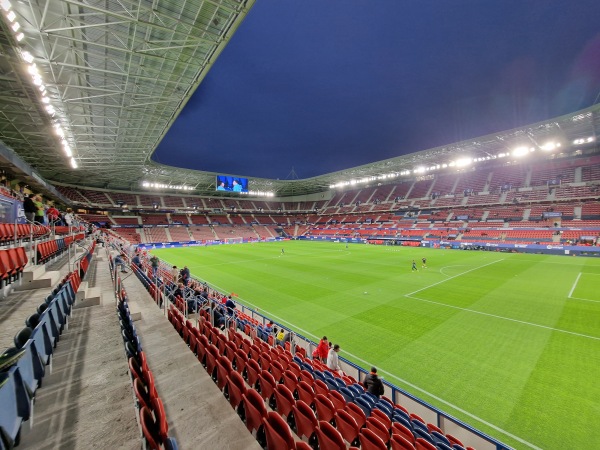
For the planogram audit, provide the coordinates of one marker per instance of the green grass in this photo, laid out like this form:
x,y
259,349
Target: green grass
x,y
491,338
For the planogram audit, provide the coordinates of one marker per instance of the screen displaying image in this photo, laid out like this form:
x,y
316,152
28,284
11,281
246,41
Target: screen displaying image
x,y
232,184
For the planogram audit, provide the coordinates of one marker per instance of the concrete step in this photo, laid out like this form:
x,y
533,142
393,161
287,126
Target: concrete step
x,y
45,280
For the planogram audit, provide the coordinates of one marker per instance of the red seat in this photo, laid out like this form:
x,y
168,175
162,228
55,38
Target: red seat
x,y
149,429
212,354
254,409
284,400
337,399
454,440
306,422
347,427
382,417
290,381
235,388
378,428
294,368
264,360
329,438
405,432
371,441
306,393
201,349
422,444
267,384
357,413
223,369
399,442
277,370
431,427
141,393
278,433
301,445
252,372
325,409
240,360
321,388
307,377
161,419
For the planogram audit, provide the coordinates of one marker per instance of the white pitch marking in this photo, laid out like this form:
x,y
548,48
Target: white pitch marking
x,y
450,278
574,285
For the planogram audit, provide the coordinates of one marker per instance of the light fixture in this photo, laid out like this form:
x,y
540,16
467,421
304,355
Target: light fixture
x,y
73,163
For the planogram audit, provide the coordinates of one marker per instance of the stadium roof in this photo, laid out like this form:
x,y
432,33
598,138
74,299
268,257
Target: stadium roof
x,y
104,80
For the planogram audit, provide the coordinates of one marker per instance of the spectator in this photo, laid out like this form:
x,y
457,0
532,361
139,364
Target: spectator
x,y
120,262
322,350
52,214
333,362
230,305
185,275
373,383
154,264
137,261
69,218
39,212
29,207
175,274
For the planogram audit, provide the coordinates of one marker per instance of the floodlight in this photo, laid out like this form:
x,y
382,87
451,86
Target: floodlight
x,y
68,151
73,163
463,162
520,151
590,139
19,37
15,26
27,57
549,146
11,16
5,4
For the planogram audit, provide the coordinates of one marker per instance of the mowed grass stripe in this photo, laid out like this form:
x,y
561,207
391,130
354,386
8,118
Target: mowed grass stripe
x,y
479,363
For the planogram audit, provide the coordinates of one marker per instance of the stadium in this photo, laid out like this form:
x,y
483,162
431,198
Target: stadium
x,y
171,307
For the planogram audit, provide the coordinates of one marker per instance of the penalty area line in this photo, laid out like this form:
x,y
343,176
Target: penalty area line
x,y
574,285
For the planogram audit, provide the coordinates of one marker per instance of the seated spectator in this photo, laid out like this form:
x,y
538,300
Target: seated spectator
x,y
137,261
120,262
230,305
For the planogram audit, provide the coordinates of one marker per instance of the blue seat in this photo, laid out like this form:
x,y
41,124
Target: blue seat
x,y
43,343
439,438
171,444
371,398
442,446
385,407
16,405
348,394
364,405
357,388
31,368
421,433
402,419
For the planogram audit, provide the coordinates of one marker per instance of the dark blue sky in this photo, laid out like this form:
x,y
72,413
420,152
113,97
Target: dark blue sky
x,y
326,85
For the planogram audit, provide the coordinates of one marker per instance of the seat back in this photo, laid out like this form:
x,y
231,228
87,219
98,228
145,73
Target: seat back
x,y
254,408
369,440
399,442
329,438
306,422
149,428
235,388
347,426
284,400
278,433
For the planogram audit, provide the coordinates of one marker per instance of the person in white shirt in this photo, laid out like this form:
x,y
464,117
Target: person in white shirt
x,y
333,361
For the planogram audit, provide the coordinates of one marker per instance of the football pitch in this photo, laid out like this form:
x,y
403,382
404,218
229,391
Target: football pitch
x,y
508,343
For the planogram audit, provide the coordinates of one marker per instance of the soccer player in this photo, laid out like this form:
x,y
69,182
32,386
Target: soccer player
x,y
282,251
414,266
424,265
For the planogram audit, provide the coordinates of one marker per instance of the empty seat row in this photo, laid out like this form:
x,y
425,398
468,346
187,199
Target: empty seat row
x,y
9,232
23,366
151,412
